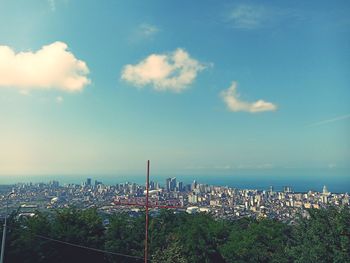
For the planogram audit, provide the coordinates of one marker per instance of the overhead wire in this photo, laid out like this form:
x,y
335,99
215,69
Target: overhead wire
x,y
88,248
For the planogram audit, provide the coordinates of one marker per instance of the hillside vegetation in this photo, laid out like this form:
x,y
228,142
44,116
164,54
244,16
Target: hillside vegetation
x,y
323,237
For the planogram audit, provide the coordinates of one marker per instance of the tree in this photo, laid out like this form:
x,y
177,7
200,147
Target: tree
x,y
125,235
256,241
173,253
324,237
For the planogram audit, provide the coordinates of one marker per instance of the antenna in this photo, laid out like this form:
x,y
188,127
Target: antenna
x,y
146,227
147,205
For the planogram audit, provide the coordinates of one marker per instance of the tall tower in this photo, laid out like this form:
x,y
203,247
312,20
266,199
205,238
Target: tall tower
x,y
325,190
167,184
194,185
172,184
88,182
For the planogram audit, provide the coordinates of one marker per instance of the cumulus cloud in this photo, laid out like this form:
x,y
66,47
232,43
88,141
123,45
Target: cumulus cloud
x,y
52,66
174,71
233,102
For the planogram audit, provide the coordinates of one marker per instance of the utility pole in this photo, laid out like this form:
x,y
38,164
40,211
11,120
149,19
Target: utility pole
x,y
147,205
4,229
146,232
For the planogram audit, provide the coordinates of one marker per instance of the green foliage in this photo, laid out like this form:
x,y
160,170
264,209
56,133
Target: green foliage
x,y
173,253
69,225
178,238
125,235
324,237
257,241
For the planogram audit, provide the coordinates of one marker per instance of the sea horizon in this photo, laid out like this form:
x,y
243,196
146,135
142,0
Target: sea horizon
x,y
336,180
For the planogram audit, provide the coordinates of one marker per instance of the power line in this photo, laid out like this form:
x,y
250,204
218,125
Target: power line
x,y
88,248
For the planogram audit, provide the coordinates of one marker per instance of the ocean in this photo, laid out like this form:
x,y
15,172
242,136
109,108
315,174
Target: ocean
x,y
301,180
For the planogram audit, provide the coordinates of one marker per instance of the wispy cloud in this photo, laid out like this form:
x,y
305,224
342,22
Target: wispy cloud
x,y
255,16
52,4
173,71
52,66
143,32
233,102
231,167
339,118
148,30
248,16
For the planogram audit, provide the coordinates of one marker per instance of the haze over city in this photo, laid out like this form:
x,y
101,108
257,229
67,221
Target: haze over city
x,y
220,88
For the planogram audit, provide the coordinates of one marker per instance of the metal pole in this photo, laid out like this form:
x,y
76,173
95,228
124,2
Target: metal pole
x,y
146,236
4,230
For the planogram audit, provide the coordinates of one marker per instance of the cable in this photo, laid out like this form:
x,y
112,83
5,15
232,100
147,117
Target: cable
x,y
89,248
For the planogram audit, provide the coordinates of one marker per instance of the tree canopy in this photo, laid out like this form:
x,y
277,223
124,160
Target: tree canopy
x,y
177,238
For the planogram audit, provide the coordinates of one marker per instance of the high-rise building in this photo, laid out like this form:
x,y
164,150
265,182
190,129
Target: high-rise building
x,y
167,184
193,198
179,186
54,184
287,189
172,184
88,182
97,183
151,185
194,185
325,190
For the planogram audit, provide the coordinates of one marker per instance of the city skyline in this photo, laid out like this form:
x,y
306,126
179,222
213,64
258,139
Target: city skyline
x,y
216,88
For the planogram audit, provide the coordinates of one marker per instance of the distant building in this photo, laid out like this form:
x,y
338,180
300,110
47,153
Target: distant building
x,y
88,182
287,189
172,184
192,209
325,190
54,184
193,198
324,199
179,186
97,183
167,184
194,185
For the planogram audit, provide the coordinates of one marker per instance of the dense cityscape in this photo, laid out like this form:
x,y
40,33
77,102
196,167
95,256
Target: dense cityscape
x,y
220,201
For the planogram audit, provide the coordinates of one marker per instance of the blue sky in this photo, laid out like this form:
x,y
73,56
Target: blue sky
x,y
99,87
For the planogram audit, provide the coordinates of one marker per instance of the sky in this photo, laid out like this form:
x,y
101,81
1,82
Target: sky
x,y
205,87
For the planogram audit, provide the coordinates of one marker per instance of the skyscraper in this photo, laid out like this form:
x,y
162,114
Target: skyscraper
x,y
325,190
172,184
167,184
88,182
194,185
287,189
179,186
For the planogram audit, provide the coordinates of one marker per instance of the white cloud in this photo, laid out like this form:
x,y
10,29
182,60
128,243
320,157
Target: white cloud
x,y
148,30
231,167
343,117
52,66
174,71
248,16
233,102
